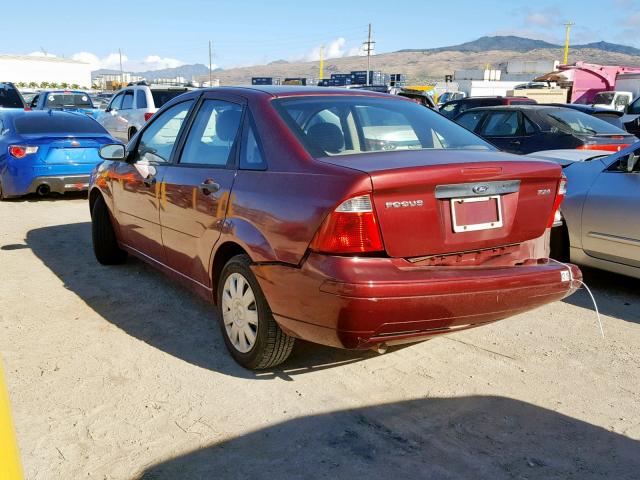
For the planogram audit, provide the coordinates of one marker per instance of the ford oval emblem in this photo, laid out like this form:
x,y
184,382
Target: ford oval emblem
x,y
480,189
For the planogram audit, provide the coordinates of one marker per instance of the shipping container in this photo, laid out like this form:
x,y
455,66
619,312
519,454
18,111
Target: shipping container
x,y
295,81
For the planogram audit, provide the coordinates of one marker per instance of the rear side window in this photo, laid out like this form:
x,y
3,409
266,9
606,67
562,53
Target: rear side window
x,y
501,124
213,134
33,123
160,97
67,100
141,99
470,120
251,156
127,101
580,123
9,96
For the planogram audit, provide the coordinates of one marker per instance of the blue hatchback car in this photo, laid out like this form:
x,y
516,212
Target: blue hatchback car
x,y
47,151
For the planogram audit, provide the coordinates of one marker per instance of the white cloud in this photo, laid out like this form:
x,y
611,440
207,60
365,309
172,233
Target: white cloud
x,y
335,49
538,18
112,61
41,54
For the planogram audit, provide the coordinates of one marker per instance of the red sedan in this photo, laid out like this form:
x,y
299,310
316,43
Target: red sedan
x,y
348,218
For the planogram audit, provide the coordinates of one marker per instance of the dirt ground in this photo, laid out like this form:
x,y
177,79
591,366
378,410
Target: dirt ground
x,y
117,373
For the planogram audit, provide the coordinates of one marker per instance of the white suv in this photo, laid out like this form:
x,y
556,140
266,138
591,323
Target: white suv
x,y
133,105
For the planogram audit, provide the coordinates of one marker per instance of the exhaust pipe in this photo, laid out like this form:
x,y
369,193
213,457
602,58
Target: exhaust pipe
x,y
43,190
380,348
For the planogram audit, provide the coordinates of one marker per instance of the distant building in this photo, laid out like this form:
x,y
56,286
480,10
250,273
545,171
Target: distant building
x,y
113,81
31,68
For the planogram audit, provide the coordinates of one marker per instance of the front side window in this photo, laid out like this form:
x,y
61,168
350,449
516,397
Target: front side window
x,y
213,134
116,103
157,141
343,125
501,124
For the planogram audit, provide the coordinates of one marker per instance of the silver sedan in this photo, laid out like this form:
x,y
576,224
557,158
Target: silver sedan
x,y
600,224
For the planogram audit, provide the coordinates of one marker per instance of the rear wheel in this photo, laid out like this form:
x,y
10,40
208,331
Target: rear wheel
x,y
105,246
252,336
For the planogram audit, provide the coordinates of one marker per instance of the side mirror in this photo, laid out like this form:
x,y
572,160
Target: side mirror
x,y
113,151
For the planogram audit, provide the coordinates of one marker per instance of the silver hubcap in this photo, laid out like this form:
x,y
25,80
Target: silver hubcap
x,y
239,312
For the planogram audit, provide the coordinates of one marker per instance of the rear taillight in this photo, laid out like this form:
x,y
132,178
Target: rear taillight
x,y
612,147
147,116
560,194
21,151
350,228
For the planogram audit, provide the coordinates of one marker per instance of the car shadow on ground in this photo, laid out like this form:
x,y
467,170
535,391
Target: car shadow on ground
x,y
149,306
616,295
477,437
52,197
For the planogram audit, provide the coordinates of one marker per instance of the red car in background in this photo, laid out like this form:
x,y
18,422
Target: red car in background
x,y
348,218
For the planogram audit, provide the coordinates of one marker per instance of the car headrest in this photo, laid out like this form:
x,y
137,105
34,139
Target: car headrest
x,y
327,137
227,124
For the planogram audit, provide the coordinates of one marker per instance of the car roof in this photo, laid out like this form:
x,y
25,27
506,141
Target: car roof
x,y
297,90
517,106
20,112
586,108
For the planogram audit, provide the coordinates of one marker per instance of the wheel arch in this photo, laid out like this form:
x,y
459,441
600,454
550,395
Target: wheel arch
x,y
222,255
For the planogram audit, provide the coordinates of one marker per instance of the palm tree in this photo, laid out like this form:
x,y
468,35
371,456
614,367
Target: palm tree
x,y
75,86
44,84
64,85
54,85
33,85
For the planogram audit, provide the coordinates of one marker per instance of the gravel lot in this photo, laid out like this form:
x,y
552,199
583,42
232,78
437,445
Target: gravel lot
x,y
117,373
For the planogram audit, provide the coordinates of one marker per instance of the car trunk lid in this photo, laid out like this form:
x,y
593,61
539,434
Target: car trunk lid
x,y
58,150
432,203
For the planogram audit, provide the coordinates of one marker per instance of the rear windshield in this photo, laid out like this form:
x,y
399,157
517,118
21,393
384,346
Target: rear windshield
x,y
70,124
68,100
612,119
9,96
604,97
342,125
580,123
160,97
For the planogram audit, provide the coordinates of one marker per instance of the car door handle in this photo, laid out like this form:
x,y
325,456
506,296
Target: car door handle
x,y
150,181
209,186
515,142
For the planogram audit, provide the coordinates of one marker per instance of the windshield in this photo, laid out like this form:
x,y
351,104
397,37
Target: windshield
x,y
343,125
68,100
581,123
604,97
9,96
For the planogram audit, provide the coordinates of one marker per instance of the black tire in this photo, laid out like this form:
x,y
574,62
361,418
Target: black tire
x,y
559,243
272,346
105,246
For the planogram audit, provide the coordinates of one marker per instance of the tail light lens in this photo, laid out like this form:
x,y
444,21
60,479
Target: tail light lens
x,y
21,151
612,147
561,193
350,228
147,116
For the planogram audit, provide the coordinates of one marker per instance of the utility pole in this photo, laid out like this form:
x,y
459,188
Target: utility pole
x,y
566,41
368,47
210,64
121,72
321,62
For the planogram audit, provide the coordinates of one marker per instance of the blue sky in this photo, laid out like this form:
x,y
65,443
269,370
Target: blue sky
x,y
244,32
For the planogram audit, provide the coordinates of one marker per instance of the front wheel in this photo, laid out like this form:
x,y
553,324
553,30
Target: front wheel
x,y
250,332
105,246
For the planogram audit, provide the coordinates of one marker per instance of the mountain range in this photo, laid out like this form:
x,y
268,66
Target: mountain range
x,y
420,64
